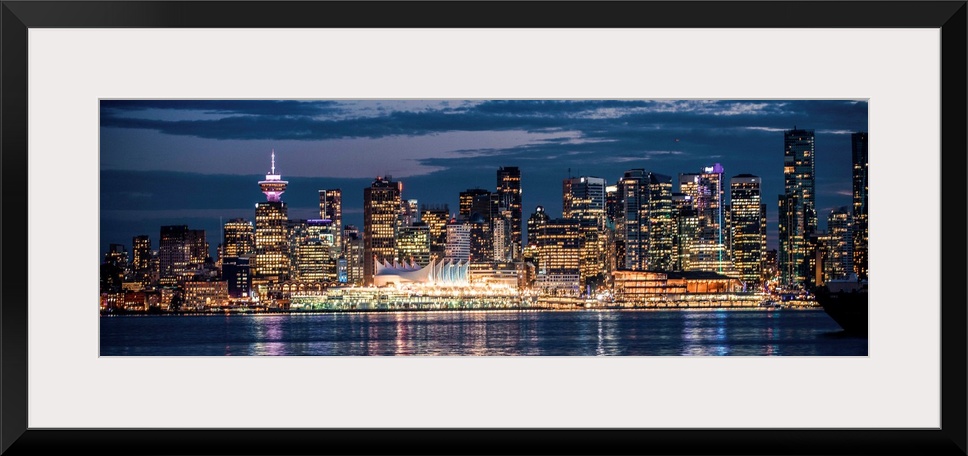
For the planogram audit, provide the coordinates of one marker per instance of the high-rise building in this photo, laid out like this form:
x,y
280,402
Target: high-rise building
x,y
436,217
272,261
174,253
509,193
705,190
238,238
644,226
353,254
475,201
237,275
314,251
748,246
559,251
501,239
583,199
839,262
538,217
858,143
458,246
797,208
381,210
141,258
482,240
113,268
331,208
413,244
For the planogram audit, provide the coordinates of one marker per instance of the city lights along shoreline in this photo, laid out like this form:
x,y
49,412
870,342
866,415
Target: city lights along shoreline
x,y
629,241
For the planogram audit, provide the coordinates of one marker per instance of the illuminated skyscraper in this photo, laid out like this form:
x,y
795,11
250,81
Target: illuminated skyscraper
x,y
238,238
509,193
839,262
475,201
271,229
413,244
705,190
436,218
559,250
662,227
748,247
858,143
141,258
381,210
174,253
314,251
798,215
353,254
331,208
644,226
538,217
458,241
583,199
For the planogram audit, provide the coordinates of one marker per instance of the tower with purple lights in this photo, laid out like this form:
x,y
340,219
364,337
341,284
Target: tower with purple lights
x,y
271,229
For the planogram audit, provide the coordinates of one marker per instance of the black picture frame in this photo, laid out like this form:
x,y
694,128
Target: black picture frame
x,y
18,16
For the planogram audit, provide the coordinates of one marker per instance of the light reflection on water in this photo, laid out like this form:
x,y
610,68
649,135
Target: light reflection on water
x,y
484,333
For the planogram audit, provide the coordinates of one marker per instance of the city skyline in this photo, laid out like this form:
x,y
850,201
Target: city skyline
x,y
463,143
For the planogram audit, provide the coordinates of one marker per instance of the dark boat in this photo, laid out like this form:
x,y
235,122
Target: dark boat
x,y
846,302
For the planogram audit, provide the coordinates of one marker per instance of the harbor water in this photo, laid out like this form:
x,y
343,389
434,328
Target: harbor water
x,y
484,333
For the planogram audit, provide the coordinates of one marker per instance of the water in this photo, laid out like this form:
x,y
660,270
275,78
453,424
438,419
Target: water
x,y
488,333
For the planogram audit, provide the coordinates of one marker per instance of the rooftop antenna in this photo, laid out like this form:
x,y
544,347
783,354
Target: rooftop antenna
x,y
273,162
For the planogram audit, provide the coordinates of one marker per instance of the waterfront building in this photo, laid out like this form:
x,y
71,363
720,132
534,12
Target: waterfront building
x,y
331,208
238,238
797,205
633,286
413,244
436,217
112,270
237,275
746,225
509,192
858,143
458,246
381,210
662,228
445,273
141,259
272,260
839,261
705,190
559,252
503,273
201,294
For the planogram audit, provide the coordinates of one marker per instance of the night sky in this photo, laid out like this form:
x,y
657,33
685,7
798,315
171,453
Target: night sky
x,y
196,162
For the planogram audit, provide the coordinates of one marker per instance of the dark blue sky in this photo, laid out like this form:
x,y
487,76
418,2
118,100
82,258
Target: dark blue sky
x,y
194,162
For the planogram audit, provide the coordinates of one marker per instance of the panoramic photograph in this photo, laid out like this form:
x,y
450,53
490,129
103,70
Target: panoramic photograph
x,y
452,227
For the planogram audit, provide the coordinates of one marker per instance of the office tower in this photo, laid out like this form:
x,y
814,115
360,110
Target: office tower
x,y
314,251
538,217
353,254
502,247
381,210
458,241
797,208
331,208
583,199
174,254
746,209
662,228
839,263
705,190
271,229
482,248
475,201
238,238
509,193
413,244
559,249
858,143
198,248
141,259
436,217
237,275
408,213
644,226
